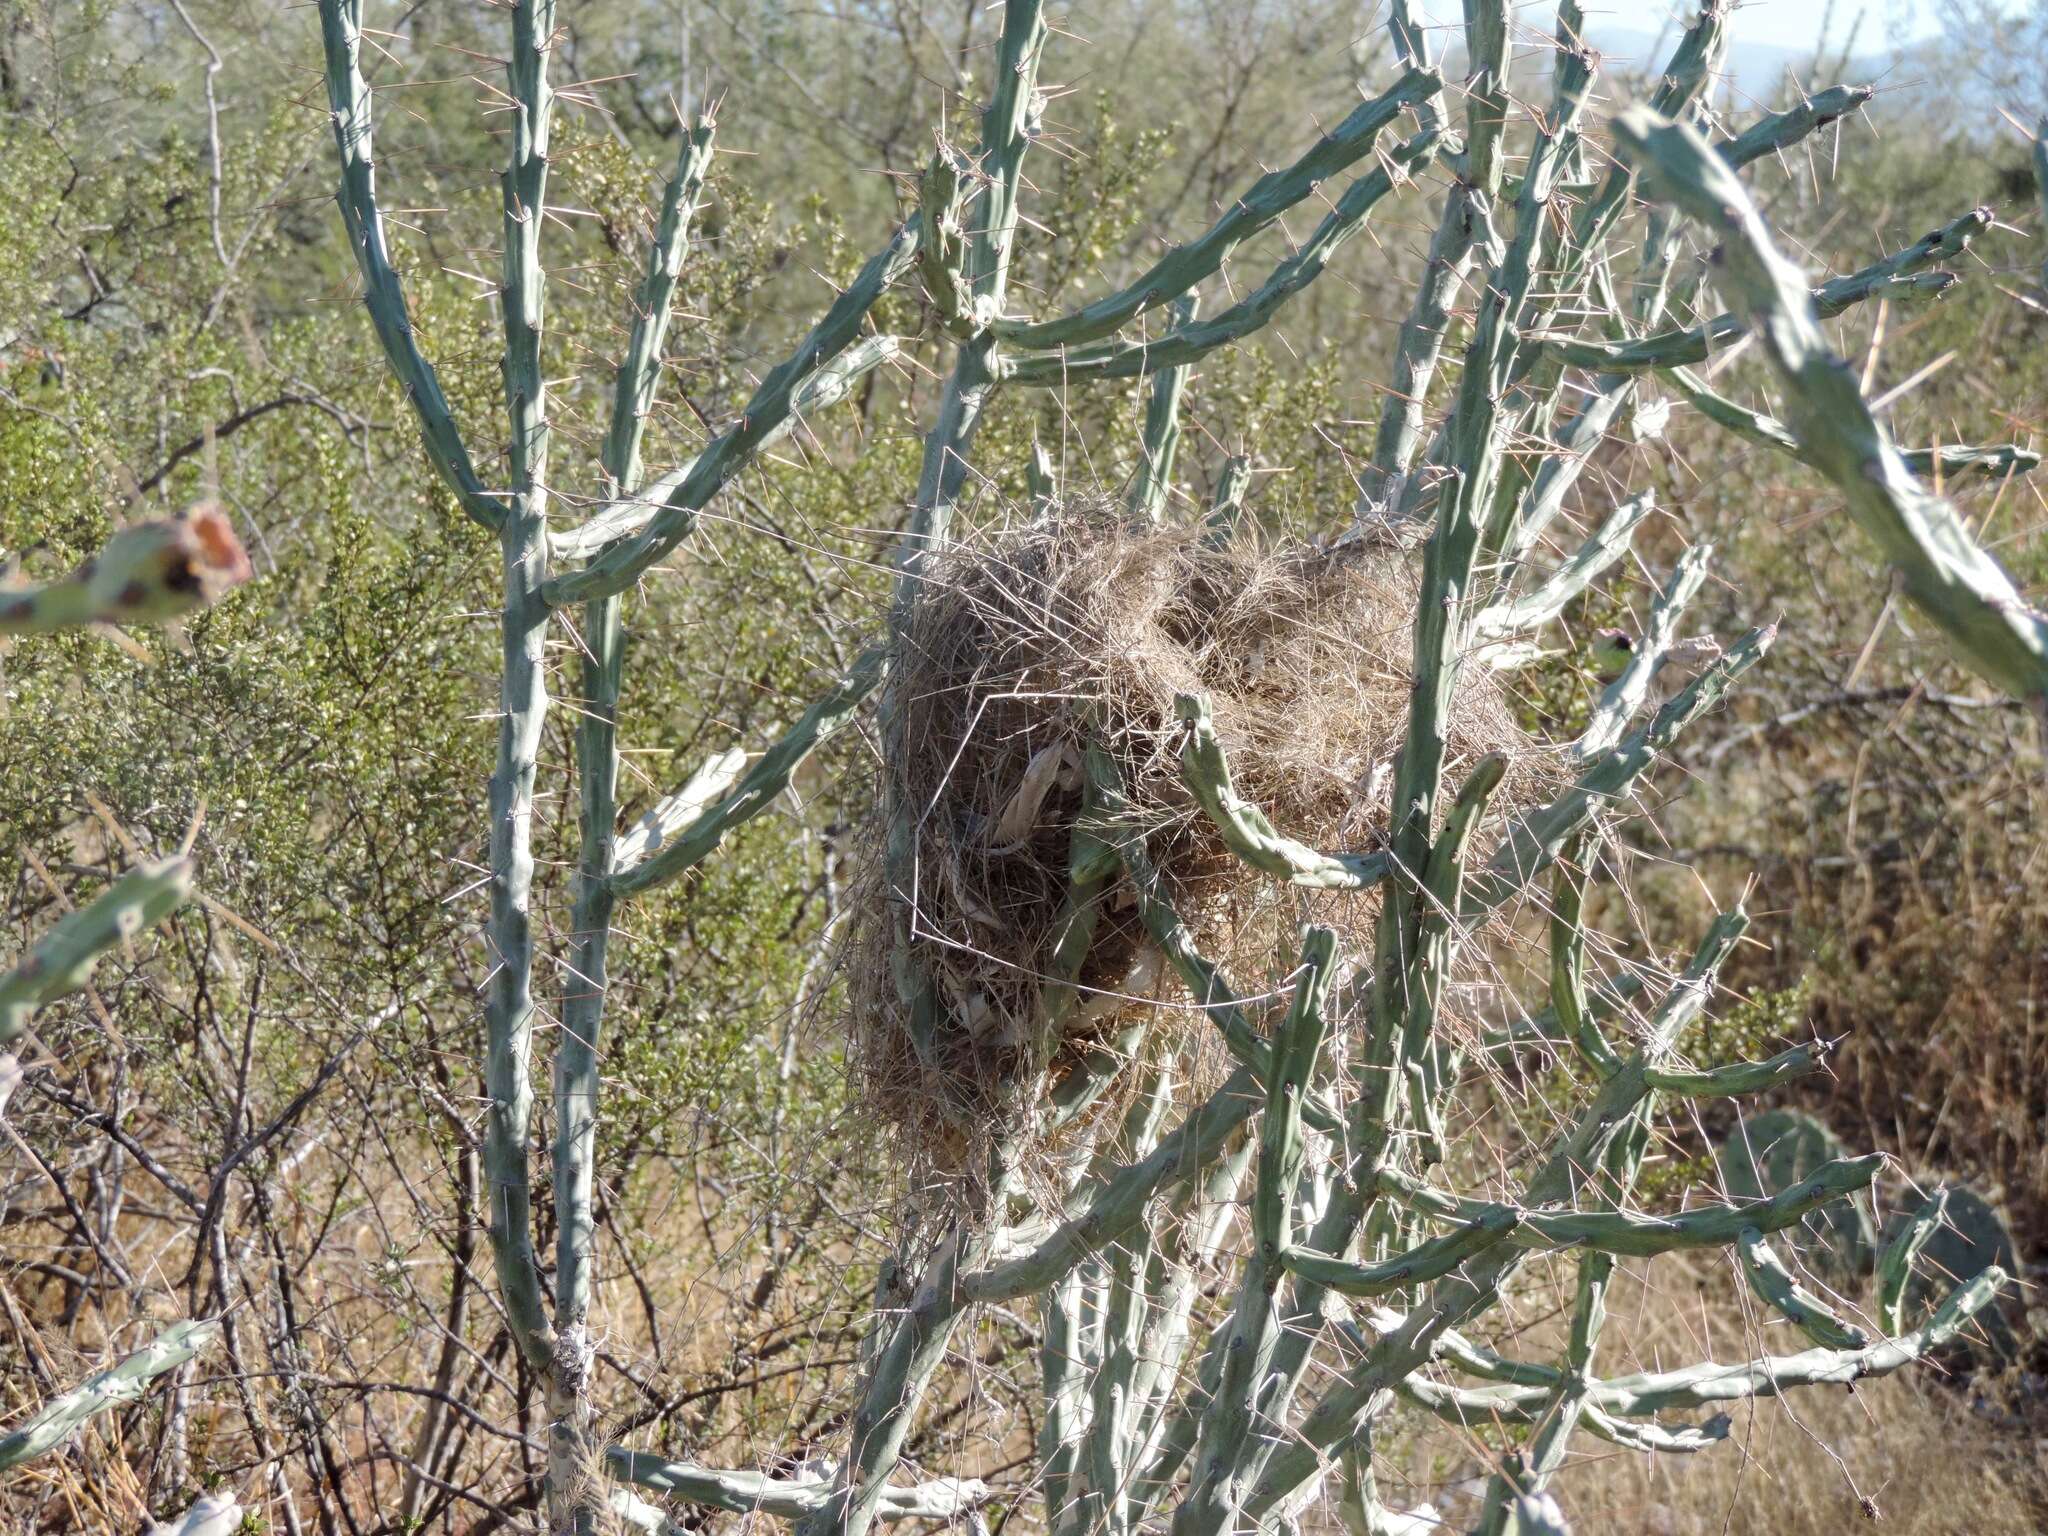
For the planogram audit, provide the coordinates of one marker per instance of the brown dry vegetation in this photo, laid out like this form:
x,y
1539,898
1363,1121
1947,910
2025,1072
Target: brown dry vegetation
x,y
1034,639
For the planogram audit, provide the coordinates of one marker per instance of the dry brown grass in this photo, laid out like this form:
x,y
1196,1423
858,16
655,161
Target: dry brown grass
x,y
1035,639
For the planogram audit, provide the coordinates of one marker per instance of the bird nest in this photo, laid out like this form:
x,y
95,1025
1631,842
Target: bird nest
x,y
1030,643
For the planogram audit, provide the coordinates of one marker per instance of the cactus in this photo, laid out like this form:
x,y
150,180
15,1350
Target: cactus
x,y
63,960
1950,1239
1775,1151
148,573
64,1415
1156,1411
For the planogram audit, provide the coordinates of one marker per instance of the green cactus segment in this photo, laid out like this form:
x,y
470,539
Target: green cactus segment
x,y
942,239
1707,1384
1227,505
1538,836
1969,1238
1942,567
1153,483
1741,1077
1780,1149
1289,1079
62,1417
1115,1202
1773,1281
62,960
1041,481
639,371
1710,1384
1435,943
1781,130
668,846
1898,276
1953,460
1476,1407
1266,200
821,372
1463,229
148,573
1245,829
633,513
1896,1264
1619,1232
1063,1364
1679,89
1537,606
1362,1393
1186,343
576,1084
786,1498
1568,998
1254,1327
1524,1474
348,100
1488,1228
510,1008
1204,981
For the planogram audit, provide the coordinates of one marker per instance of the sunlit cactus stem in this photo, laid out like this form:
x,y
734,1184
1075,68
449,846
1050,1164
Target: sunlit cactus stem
x,y
62,961
64,1415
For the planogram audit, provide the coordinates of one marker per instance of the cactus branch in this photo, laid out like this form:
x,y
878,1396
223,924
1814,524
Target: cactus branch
x,y
1537,836
1153,483
1779,131
1944,571
786,1498
64,1415
1620,700
1540,604
1245,829
62,960
148,573
348,100
1185,267
819,373
1185,343
668,855
1899,276
639,371
1774,1282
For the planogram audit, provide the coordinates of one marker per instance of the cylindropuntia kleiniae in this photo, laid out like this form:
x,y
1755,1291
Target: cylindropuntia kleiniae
x,y
1161,1410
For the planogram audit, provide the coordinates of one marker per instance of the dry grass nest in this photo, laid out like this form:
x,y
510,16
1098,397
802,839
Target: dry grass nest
x,y
1028,642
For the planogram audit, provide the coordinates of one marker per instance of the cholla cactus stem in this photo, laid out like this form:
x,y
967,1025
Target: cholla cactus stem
x,y
1266,200
1187,343
349,102
62,960
1944,571
1152,487
1895,1264
148,573
64,1415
